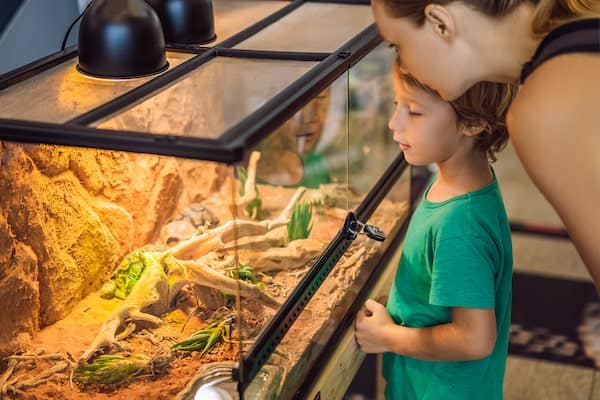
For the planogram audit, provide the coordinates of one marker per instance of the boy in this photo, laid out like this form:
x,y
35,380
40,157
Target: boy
x,y
446,327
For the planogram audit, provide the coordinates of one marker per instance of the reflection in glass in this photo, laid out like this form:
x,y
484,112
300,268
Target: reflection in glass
x,y
293,148
371,105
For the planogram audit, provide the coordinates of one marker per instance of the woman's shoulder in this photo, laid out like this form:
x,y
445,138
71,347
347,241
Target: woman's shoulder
x,y
557,93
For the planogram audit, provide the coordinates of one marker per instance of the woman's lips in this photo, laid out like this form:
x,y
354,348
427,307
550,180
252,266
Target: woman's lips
x,y
404,147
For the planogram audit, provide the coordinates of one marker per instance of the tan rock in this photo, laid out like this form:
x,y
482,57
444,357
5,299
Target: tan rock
x,y
69,215
20,297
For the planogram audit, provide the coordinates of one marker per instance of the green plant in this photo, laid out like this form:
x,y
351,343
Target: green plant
x,y
111,368
204,339
254,208
299,226
243,272
126,276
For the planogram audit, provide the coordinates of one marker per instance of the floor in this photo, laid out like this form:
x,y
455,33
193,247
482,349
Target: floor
x,y
531,375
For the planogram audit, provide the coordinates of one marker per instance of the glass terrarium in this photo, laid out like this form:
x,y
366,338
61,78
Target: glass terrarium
x,y
209,231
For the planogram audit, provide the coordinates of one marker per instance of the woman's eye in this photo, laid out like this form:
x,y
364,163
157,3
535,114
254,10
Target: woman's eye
x,y
414,113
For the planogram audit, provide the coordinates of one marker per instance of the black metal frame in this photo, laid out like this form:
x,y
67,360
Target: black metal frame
x,y
65,135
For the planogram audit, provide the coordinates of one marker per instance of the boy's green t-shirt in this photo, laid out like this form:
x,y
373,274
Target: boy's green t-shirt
x,y
456,253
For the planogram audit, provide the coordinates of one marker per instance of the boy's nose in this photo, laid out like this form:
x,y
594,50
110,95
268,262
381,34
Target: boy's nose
x,y
308,114
397,122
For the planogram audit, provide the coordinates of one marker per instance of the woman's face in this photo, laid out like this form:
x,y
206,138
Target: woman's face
x,y
444,64
424,126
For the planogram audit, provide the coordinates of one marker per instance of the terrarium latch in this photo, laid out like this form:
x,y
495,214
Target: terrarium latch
x,y
356,227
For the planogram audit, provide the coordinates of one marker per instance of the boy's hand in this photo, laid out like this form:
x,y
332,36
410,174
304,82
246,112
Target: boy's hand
x,y
372,322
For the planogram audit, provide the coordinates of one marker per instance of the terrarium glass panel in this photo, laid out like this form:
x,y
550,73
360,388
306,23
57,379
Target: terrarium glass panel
x,y
357,160
211,99
62,93
371,104
232,17
313,27
295,175
295,357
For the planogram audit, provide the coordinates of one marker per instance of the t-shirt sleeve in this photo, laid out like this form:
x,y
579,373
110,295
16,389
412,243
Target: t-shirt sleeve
x,y
463,273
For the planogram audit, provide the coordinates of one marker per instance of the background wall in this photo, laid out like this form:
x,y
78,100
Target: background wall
x,y
32,29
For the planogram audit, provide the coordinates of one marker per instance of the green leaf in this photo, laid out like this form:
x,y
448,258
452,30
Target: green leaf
x,y
242,172
299,226
206,338
109,368
243,272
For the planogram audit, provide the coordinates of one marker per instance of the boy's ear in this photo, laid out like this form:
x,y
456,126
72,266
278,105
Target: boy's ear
x,y
474,128
441,20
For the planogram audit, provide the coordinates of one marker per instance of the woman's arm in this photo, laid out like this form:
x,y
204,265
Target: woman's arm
x,y
554,125
470,336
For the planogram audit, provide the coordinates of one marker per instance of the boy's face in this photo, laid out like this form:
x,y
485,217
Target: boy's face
x,y
424,125
310,121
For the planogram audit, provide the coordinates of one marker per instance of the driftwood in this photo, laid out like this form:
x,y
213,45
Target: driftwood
x,y
167,272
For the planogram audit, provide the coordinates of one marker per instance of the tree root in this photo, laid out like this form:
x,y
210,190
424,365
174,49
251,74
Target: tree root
x,y
19,383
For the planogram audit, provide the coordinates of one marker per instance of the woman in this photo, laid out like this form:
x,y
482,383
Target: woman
x,y
554,123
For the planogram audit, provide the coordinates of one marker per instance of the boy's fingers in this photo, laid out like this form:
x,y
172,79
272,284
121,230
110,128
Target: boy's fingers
x,y
359,317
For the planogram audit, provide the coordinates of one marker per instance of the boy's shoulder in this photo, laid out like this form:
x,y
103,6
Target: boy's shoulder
x,y
470,215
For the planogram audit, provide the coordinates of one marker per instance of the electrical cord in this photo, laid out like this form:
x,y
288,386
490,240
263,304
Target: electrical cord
x,y
66,37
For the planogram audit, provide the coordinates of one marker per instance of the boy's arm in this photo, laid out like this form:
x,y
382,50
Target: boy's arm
x,y
470,336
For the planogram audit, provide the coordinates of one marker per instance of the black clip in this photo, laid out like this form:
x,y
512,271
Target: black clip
x,y
356,227
374,233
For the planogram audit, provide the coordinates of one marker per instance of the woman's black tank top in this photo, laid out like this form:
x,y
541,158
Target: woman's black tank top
x,y
580,36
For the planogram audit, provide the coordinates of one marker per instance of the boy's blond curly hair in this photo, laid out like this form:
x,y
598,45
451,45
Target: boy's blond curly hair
x,y
485,103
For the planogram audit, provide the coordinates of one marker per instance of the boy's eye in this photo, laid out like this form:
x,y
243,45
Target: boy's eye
x,y
414,113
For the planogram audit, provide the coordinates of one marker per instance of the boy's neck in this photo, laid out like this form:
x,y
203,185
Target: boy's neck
x,y
457,177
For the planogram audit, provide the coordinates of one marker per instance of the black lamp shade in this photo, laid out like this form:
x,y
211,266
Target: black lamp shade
x,y
186,21
121,39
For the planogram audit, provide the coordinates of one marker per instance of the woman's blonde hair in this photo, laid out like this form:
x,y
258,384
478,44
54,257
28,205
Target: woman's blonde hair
x,y
484,104
548,13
